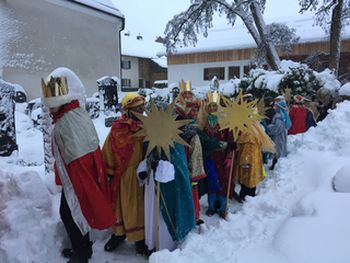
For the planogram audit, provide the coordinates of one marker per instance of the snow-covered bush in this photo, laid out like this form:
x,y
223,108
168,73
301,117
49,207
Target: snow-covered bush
x,y
7,119
301,80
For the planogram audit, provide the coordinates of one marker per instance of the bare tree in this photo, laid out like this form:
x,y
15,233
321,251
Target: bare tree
x,y
183,29
332,15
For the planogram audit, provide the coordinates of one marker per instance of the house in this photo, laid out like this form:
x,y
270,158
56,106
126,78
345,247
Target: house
x,y
227,51
141,66
38,36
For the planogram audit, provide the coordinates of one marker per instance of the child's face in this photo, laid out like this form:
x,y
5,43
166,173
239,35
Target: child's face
x,y
193,114
212,107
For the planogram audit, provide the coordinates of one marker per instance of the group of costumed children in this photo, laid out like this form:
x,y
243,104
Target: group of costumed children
x,y
155,197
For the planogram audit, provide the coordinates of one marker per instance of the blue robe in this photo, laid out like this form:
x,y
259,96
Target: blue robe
x,y
176,203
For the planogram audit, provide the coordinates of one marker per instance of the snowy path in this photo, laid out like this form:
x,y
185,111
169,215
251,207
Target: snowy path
x,y
288,222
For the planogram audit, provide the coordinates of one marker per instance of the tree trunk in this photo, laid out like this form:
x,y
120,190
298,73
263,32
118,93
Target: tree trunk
x,y
272,57
336,25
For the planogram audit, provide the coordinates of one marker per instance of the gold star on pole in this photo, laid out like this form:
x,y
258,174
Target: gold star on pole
x,y
161,129
238,115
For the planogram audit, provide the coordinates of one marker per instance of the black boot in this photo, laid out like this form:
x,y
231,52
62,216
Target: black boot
x,y
68,253
237,197
274,161
77,259
114,242
222,214
141,248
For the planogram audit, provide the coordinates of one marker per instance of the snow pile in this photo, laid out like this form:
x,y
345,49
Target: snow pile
x,y
341,180
345,90
328,80
27,219
290,219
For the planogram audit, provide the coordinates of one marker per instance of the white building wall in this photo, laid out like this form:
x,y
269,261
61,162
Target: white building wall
x,y
133,72
195,72
58,33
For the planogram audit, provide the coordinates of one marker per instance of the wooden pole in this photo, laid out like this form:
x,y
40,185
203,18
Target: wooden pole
x,y
157,216
229,183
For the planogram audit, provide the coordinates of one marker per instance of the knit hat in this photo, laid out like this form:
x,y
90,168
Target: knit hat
x,y
281,104
131,100
298,99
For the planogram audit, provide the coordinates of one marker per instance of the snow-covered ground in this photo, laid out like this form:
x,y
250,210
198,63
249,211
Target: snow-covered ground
x,y
297,216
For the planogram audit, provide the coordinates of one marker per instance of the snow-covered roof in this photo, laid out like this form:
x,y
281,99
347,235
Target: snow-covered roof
x,y
144,47
105,6
226,37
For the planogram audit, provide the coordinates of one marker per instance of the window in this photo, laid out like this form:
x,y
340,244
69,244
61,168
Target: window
x,y
126,83
210,73
126,64
233,72
141,83
247,68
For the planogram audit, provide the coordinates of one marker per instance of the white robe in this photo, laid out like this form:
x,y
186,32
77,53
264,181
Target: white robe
x,y
164,173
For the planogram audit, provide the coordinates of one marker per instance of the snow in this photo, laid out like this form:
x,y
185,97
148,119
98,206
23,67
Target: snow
x,y
104,5
296,216
345,90
341,180
76,88
226,37
328,80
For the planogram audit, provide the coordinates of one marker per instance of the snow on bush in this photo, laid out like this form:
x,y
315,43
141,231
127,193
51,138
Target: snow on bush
x,y
345,90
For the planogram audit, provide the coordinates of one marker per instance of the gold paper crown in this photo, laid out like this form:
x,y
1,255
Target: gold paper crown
x,y
57,86
213,97
185,87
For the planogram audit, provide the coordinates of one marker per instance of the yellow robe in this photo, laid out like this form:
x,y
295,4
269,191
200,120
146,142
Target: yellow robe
x,y
129,209
249,153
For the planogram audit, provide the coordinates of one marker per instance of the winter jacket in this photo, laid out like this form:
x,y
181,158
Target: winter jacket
x,y
297,115
278,133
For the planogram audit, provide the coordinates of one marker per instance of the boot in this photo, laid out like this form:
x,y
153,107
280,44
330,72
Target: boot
x,y
114,242
199,222
141,248
237,197
274,161
68,253
222,214
210,212
76,259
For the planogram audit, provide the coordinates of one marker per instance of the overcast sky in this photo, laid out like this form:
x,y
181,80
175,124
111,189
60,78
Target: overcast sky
x,y
150,17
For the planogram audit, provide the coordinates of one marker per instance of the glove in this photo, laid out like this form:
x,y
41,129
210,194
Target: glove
x,y
143,175
223,144
232,146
